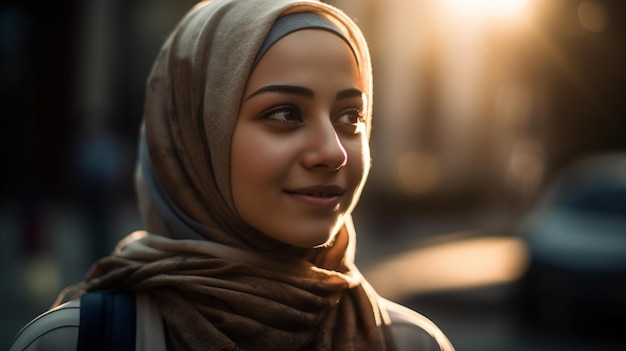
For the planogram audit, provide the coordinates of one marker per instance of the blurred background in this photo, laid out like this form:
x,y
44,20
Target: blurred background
x,y
497,201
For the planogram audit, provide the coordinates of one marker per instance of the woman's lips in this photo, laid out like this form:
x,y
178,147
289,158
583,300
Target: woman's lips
x,y
318,195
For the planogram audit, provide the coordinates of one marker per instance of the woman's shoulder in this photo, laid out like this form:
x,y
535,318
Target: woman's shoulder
x,y
414,331
56,329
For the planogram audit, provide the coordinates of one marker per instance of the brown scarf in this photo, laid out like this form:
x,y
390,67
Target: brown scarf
x,y
220,284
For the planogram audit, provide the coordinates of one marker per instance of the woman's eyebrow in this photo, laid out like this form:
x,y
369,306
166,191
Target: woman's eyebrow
x,y
349,93
289,89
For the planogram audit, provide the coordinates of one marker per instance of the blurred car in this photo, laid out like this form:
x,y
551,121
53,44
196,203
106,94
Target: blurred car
x,y
576,237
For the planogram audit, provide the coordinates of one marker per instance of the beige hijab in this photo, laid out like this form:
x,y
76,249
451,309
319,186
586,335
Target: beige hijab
x,y
219,283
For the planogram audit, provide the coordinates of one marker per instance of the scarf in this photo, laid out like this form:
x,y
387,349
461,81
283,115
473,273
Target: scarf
x,y
219,283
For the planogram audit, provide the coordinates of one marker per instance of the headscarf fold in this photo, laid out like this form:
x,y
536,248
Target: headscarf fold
x,y
219,283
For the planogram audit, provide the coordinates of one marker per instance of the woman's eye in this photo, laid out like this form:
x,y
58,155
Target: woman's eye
x,y
351,116
283,114
351,121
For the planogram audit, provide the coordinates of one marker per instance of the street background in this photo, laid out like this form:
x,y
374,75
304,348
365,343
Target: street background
x,y
479,108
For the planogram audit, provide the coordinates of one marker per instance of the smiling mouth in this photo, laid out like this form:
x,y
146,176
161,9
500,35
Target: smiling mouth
x,y
322,191
322,196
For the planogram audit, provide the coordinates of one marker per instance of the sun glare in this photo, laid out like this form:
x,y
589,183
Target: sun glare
x,y
486,7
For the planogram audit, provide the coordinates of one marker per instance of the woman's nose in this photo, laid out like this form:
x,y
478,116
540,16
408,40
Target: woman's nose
x,y
325,150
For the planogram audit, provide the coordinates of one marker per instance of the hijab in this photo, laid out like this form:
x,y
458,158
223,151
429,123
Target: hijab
x,y
220,284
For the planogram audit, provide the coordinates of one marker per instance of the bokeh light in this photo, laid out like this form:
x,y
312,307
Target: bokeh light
x,y
417,173
460,264
593,15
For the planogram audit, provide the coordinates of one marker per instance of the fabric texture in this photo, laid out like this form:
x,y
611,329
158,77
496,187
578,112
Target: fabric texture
x,y
290,23
219,283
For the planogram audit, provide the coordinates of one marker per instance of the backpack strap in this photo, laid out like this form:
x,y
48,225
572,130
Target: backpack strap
x,y
107,321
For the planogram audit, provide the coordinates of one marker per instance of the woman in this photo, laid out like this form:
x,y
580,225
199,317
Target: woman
x,y
253,154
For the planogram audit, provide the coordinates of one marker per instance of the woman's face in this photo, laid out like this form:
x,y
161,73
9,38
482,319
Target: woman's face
x,y
300,153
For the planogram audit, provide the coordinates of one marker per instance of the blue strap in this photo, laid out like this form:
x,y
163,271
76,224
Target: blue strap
x,y
168,340
107,322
